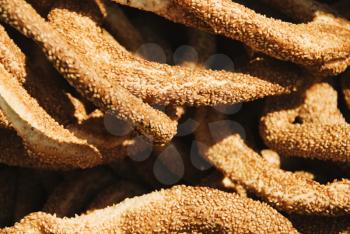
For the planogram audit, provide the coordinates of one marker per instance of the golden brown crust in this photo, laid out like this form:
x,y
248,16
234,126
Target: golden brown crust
x,y
205,140
313,44
48,93
179,209
43,135
147,120
162,84
169,10
14,153
67,122
308,125
272,157
284,190
36,75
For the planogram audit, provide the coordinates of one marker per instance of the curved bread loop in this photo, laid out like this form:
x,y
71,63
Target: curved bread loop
x,y
162,84
108,97
47,92
37,76
324,48
169,10
308,125
49,141
322,45
205,138
319,45
112,149
310,10
14,153
179,209
43,135
284,190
